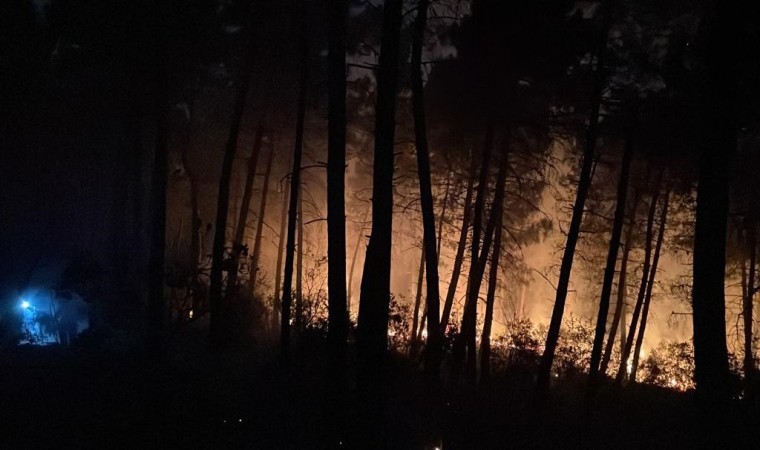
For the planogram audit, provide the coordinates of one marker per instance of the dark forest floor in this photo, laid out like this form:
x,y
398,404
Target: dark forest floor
x,y
75,398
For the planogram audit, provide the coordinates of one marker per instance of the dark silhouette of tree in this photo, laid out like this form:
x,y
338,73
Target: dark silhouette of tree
x,y
256,254
718,103
609,270
295,191
618,318
216,324
375,296
467,337
375,287
485,340
631,335
238,241
280,251
336,167
584,182
433,349
298,320
650,286
459,257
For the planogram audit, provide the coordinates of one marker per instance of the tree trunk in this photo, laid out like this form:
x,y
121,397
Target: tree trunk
x,y
469,321
250,179
433,349
295,187
195,245
572,239
299,265
337,333
650,286
360,238
222,207
623,367
417,302
718,147
747,310
609,270
238,241
374,301
485,341
469,315
584,182
618,319
459,257
544,371
438,249
256,254
442,219
280,249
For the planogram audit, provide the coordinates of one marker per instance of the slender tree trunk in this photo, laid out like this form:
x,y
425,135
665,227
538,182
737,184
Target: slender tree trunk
x,y
609,270
584,183
618,319
299,265
440,236
459,257
650,286
250,179
338,302
623,323
337,333
295,187
374,303
238,241
747,309
222,207
544,371
485,341
469,322
433,349
417,302
280,251
442,219
256,254
195,219
469,315
360,238
622,369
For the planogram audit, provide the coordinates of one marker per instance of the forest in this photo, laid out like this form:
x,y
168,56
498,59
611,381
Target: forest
x,y
423,224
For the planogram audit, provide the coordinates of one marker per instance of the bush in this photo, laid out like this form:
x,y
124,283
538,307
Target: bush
x,y
670,365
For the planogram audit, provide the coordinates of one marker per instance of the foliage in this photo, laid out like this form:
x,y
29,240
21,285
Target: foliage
x,y
399,331
670,365
574,348
519,347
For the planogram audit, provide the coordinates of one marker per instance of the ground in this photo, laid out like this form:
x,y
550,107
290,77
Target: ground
x,y
242,398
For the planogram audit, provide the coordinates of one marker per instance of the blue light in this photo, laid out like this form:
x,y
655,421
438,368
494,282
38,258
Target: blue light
x,y
25,304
